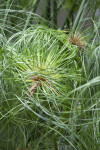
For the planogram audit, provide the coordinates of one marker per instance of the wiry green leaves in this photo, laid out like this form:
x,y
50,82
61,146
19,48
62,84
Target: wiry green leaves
x,y
49,88
41,66
43,54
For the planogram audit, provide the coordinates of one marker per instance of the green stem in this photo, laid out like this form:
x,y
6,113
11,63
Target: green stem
x,y
55,14
79,15
55,144
8,5
69,14
33,10
47,10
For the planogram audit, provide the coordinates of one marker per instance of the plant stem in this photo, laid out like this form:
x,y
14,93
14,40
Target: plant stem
x,y
47,10
33,10
69,13
55,14
80,13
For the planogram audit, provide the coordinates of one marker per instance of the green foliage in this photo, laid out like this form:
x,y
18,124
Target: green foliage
x,y
49,80
68,4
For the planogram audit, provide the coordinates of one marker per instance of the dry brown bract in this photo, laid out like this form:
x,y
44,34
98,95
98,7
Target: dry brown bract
x,y
77,39
36,80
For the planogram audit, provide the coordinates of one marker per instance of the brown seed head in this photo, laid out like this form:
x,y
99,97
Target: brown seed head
x,y
77,39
